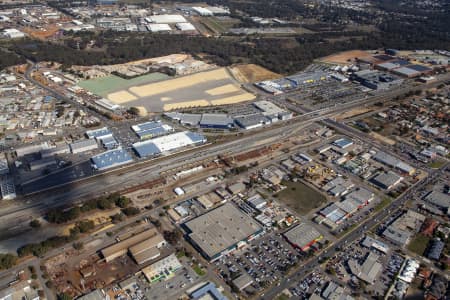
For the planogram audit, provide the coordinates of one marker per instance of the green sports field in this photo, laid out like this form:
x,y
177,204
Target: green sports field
x,y
109,84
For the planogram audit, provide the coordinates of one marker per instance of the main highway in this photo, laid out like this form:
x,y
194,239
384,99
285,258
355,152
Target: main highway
x,y
35,205
356,233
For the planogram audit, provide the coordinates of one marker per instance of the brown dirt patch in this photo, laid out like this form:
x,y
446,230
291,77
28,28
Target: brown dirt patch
x,y
252,73
344,57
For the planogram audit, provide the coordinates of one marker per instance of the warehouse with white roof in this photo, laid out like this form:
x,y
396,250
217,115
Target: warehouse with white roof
x,y
161,19
151,129
185,27
167,143
158,27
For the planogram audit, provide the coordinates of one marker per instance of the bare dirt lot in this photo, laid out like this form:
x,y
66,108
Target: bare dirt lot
x,y
344,57
252,73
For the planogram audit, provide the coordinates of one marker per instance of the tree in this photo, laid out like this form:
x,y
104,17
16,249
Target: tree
x,y
133,111
78,246
117,218
122,202
172,236
131,211
104,203
7,261
64,296
156,222
35,223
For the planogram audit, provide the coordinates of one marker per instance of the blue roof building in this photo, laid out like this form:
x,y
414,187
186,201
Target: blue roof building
x,y
151,129
343,143
98,133
111,159
109,142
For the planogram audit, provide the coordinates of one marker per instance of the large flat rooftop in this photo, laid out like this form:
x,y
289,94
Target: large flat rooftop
x,y
221,229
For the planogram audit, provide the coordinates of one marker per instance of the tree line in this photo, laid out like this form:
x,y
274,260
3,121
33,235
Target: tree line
x,y
276,54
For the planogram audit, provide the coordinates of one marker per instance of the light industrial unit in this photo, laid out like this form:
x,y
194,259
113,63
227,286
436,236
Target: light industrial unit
x,y
221,231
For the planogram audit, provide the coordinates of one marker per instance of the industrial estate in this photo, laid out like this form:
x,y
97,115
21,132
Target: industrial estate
x,y
179,177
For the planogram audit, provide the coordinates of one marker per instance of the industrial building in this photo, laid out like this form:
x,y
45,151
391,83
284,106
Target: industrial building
x,y
185,27
98,133
305,78
111,159
108,105
242,281
219,121
412,71
159,27
143,246
50,152
148,249
257,202
42,163
439,199
30,149
387,180
95,295
185,119
269,87
168,143
391,65
7,188
205,291
376,80
337,212
372,243
272,111
435,249
13,33
109,142
393,162
163,269
332,292
409,270
4,168
303,236
166,19
218,10
369,270
83,146
21,290
151,129
361,196
236,188
202,11
343,143
221,230
403,228
253,121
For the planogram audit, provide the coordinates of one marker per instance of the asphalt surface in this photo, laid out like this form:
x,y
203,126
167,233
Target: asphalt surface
x,y
353,235
120,179
21,211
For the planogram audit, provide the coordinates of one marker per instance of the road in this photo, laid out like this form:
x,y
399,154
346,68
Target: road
x,y
21,211
356,233
34,205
